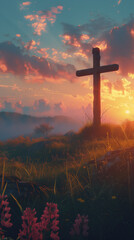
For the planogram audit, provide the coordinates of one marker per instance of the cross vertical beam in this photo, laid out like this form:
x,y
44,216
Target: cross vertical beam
x,y
96,88
95,71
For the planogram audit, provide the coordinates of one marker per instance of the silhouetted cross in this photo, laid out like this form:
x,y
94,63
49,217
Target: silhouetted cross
x,y
95,71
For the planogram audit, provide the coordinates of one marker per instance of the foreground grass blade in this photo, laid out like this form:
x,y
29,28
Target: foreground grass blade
x,y
3,174
20,207
4,189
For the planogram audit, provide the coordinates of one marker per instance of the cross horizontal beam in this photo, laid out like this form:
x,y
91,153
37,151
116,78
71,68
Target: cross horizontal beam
x,y
102,69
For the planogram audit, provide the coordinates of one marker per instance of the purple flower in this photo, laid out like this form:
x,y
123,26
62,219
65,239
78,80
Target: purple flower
x,y
5,217
49,220
31,229
80,226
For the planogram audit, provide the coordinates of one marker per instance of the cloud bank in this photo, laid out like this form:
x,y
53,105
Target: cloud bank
x,y
39,107
16,61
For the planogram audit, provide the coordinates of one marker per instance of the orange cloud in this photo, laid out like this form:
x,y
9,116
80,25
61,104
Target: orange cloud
x,y
65,55
70,40
39,27
56,9
40,19
66,38
31,45
31,17
108,84
18,35
33,68
102,45
3,67
84,37
132,32
115,27
81,54
24,4
78,45
118,85
85,84
119,2
43,52
13,87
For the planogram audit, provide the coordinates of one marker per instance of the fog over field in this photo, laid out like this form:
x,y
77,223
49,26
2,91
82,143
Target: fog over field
x,y
15,124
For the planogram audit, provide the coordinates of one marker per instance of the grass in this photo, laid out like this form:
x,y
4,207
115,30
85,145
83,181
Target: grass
x,y
61,167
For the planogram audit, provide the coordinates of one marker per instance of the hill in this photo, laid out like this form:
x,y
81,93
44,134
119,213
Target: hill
x,y
15,124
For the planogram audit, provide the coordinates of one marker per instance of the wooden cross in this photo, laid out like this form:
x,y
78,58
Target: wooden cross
x,y
95,71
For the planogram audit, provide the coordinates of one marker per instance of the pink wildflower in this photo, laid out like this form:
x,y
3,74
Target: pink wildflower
x,y
31,229
5,217
85,226
80,226
54,236
49,220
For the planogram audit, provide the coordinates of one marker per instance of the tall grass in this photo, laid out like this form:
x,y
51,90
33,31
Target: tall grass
x,y
66,157
64,173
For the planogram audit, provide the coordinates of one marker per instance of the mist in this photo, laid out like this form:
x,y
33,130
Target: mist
x,y
13,125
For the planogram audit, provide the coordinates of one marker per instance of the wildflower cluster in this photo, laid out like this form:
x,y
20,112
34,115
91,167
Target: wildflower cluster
x,y
47,227
80,227
30,226
5,217
49,220
31,229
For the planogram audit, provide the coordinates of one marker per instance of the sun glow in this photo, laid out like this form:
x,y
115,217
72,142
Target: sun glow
x,y
127,111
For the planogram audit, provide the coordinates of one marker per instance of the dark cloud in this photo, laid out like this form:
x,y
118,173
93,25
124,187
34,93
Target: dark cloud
x,y
27,110
7,107
58,107
94,27
20,63
18,105
97,26
120,42
74,42
73,35
41,106
12,57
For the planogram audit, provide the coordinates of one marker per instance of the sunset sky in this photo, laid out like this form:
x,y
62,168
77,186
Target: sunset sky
x,y
44,42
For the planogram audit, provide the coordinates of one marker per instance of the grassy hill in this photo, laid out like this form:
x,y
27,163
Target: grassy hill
x,y
66,170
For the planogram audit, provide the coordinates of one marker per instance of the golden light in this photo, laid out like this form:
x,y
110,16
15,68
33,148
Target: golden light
x,y
102,45
132,32
127,111
3,67
131,75
84,37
